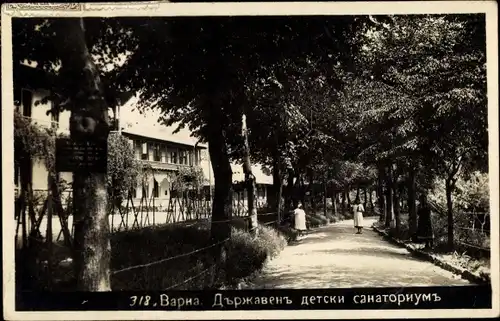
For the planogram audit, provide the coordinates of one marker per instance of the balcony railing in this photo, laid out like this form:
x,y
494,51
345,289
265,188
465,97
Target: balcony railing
x,y
165,166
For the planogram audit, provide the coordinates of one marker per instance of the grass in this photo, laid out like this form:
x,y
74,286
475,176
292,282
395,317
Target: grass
x,y
243,256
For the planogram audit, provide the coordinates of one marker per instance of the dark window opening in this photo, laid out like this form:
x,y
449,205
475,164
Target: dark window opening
x,y
156,189
144,155
183,158
157,153
173,157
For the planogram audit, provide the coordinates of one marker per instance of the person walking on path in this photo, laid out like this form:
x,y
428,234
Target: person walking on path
x,y
424,225
358,210
300,219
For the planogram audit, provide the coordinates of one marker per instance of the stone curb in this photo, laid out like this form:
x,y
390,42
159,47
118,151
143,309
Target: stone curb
x,y
465,274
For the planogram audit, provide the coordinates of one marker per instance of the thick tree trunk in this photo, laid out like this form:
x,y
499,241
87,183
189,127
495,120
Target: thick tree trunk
x,y
357,192
249,178
412,206
449,207
88,122
222,206
348,197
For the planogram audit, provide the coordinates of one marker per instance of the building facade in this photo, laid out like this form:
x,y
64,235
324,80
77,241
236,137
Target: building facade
x,y
163,148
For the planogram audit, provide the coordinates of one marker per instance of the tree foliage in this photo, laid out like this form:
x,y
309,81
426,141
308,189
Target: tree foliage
x,y
188,178
124,170
330,98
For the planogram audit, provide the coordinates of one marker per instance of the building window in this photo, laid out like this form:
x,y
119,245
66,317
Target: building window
x,y
156,189
144,155
183,157
27,101
261,191
173,157
157,152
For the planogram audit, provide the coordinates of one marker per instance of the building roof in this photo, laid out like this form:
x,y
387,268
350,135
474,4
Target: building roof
x,y
146,124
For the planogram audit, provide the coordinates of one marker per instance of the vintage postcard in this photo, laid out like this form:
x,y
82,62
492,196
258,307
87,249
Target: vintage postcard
x,y
171,161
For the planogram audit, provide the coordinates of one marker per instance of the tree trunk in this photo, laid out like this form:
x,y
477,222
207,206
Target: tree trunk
x,y
312,195
88,122
449,206
370,200
380,192
222,205
222,200
343,205
365,200
357,192
302,190
277,187
388,197
249,178
348,197
412,206
396,198
325,211
334,203
289,194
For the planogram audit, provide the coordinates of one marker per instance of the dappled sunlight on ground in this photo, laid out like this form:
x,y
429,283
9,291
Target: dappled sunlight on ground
x,y
334,256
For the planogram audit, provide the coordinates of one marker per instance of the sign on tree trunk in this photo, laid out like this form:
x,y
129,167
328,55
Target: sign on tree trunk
x,y
81,156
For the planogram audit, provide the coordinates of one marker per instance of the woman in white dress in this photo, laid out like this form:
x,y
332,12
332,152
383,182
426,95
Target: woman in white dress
x,y
358,210
300,219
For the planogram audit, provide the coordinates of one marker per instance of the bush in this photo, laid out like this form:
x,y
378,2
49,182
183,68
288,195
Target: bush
x,y
471,193
248,254
245,255
316,219
290,234
271,240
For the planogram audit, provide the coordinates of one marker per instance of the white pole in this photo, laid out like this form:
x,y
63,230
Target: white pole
x,y
117,116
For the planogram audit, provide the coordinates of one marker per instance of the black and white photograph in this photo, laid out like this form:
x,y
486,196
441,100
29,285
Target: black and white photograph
x,y
250,160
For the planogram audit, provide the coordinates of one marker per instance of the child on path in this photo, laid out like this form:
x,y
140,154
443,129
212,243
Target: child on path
x,y
358,210
300,219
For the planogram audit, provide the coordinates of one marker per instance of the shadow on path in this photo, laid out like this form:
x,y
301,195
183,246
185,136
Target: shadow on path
x,y
334,257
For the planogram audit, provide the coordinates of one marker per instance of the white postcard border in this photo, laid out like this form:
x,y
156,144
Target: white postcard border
x,y
238,9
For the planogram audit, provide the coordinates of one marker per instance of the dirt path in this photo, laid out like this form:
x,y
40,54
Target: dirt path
x,y
335,257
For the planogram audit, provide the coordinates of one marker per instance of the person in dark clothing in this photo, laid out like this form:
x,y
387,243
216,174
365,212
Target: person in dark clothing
x,y
424,226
